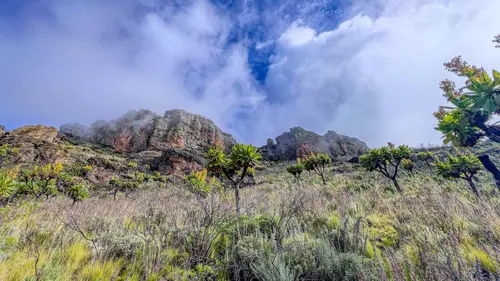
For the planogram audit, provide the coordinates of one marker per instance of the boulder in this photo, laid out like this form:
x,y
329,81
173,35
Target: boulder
x,y
2,130
300,143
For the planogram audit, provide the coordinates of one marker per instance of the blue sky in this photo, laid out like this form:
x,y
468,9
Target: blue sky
x,y
365,68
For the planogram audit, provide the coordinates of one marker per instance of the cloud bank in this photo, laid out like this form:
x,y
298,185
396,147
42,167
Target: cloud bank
x,y
373,75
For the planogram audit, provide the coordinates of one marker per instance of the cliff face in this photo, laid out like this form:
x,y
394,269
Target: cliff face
x,y
175,143
300,143
179,139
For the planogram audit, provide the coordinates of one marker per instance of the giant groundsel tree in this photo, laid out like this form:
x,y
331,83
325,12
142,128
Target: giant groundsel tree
x,y
473,106
235,166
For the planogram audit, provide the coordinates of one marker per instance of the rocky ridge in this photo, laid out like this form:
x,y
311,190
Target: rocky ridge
x,y
300,143
174,143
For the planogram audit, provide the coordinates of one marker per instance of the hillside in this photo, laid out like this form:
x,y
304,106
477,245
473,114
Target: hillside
x,y
139,206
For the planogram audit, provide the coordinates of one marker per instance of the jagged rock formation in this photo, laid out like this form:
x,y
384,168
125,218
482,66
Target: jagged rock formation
x,y
299,143
2,130
182,138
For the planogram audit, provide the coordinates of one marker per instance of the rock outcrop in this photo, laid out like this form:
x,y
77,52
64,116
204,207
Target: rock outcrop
x,y
32,144
2,130
299,143
181,137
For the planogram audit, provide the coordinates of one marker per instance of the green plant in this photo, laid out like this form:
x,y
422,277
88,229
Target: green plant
x,y
8,187
77,192
462,166
386,160
426,156
296,169
473,107
128,185
318,163
41,180
235,167
198,183
408,165
132,164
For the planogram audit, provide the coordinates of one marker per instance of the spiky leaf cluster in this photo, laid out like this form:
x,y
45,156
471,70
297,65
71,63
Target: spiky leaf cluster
x,y
407,164
462,165
317,163
466,121
241,158
296,169
381,159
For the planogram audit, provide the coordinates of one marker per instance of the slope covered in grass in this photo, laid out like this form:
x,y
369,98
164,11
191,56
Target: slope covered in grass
x,y
356,227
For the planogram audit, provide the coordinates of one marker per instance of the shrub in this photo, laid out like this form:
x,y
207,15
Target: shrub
x,y
296,169
426,156
198,183
318,163
8,187
386,160
408,165
462,166
132,164
77,192
235,167
41,180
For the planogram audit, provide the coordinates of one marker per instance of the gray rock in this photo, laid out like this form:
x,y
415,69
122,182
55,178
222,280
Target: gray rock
x,y
300,143
2,130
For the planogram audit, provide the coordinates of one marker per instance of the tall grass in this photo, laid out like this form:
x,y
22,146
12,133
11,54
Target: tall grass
x,y
356,227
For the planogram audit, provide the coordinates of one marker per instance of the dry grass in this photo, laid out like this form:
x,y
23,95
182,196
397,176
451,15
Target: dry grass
x,y
435,230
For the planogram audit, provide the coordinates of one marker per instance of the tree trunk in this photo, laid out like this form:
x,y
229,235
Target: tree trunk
x,y
114,194
237,197
473,186
396,184
490,166
323,178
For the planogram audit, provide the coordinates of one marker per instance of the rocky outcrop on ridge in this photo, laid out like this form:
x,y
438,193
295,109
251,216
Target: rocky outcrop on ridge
x,y
181,137
300,143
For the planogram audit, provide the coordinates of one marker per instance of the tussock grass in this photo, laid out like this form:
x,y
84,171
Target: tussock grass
x,y
356,227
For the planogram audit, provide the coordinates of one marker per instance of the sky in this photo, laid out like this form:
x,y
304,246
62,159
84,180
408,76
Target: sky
x,y
364,68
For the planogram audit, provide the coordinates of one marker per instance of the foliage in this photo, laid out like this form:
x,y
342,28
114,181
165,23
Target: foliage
x,y
386,160
41,180
77,192
474,105
127,185
318,163
235,167
408,165
132,164
460,166
199,184
8,186
426,156
296,169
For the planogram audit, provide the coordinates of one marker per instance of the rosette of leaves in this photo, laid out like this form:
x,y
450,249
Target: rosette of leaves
x,y
386,160
235,166
461,166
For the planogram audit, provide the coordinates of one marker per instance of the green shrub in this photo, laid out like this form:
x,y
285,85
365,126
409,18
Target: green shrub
x,y
386,160
318,164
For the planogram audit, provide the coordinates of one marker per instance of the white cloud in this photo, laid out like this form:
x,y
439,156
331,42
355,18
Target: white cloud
x,y
377,78
90,60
